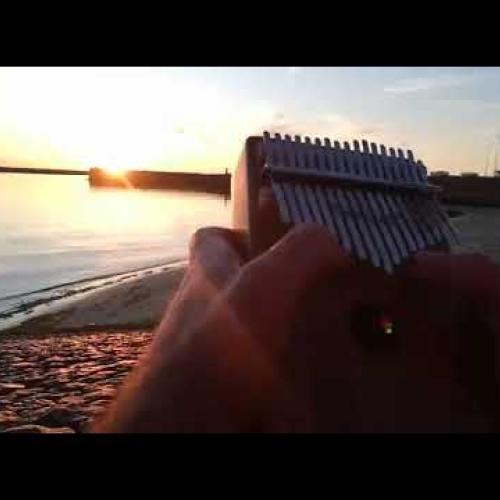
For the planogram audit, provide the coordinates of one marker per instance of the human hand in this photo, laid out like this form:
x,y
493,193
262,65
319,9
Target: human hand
x,y
271,345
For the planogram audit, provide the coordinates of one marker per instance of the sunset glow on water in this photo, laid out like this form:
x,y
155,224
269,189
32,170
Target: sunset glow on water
x,y
57,229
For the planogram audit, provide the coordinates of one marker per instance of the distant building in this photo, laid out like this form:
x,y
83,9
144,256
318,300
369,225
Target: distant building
x,y
439,173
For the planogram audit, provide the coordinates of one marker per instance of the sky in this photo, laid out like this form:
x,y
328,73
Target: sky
x,y
196,119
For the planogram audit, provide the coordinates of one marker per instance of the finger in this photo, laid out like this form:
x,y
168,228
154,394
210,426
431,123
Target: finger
x,y
215,255
214,260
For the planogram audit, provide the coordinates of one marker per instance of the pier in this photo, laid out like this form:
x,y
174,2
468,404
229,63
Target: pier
x,y
141,179
144,179
50,171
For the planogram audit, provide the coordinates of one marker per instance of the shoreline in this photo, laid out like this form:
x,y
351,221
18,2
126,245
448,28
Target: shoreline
x,y
136,302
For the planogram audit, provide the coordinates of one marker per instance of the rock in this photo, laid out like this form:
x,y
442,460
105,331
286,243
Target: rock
x,y
93,412
100,403
72,400
56,364
33,381
104,374
54,395
39,429
8,418
76,386
101,394
57,416
107,392
96,377
128,362
53,359
44,395
8,388
21,393
23,364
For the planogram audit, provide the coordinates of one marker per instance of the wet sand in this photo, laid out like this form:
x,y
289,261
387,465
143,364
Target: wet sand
x,y
479,230
136,303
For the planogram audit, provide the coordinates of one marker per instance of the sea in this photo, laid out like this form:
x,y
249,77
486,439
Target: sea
x,y
60,237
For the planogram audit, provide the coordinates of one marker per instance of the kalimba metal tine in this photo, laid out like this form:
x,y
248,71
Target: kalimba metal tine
x,y
377,205
451,236
359,205
296,186
308,163
347,204
417,210
326,213
394,239
400,231
338,201
424,205
393,217
287,186
333,203
415,241
283,204
372,213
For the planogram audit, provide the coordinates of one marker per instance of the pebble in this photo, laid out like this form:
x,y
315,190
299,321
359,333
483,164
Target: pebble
x,y
23,364
8,418
8,388
60,384
33,381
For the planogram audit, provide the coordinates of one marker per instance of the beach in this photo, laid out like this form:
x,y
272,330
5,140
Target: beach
x,y
58,371
61,383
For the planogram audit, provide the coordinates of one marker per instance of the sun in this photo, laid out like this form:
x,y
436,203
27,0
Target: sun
x,y
115,171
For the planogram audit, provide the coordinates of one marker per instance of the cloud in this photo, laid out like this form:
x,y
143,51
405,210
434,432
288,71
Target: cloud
x,y
423,84
334,126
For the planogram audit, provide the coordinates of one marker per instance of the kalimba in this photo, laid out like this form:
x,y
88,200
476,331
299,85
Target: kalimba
x,y
377,203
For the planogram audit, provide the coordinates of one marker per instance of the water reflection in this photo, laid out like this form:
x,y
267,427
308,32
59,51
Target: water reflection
x,y
56,228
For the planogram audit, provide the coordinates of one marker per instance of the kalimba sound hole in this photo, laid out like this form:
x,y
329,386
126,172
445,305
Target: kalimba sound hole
x,y
373,328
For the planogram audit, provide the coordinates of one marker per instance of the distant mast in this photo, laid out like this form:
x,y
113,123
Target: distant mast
x,y
493,170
